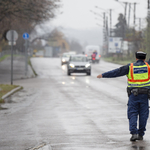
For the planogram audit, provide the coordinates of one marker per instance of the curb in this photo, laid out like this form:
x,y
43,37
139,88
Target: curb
x,y
11,92
43,146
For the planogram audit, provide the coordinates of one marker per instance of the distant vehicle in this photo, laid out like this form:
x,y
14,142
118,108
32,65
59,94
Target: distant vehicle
x,y
39,53
34,52
89,52
65,58
48,52
93,57
78,64
72,53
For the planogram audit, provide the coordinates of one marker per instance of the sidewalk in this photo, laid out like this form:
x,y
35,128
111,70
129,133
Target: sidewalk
x,y
18,70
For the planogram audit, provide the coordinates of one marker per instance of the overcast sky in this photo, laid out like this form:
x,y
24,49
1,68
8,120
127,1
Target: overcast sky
x,y
78,22
76,13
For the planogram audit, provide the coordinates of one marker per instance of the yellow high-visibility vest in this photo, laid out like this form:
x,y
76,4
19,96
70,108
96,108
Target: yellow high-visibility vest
x,y
139,76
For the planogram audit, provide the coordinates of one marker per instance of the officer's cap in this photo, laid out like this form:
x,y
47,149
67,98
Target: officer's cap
x,y
140,55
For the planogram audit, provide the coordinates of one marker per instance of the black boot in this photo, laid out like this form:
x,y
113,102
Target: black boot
x,y
140,137
134,137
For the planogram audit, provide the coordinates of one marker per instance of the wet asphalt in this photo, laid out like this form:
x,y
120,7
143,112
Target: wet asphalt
x,y
59,112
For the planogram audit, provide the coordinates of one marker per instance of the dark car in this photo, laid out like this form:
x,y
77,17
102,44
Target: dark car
x,y
79,64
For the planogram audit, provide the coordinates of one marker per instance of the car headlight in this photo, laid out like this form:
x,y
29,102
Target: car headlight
x,y
71,65
87,65
63,60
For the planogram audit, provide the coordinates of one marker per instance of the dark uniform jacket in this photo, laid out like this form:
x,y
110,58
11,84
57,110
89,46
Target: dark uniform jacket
x,y
124,70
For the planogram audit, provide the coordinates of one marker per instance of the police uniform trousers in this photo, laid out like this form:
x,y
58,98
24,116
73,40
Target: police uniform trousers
x,y
138,111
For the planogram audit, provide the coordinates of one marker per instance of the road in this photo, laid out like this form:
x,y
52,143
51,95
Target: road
x,y
59,112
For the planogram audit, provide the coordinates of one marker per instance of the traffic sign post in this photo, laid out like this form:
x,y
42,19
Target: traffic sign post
x,y
12,36
26,37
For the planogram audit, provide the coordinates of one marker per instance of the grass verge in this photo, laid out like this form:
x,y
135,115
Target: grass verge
x,y
4,57
120,62
4,89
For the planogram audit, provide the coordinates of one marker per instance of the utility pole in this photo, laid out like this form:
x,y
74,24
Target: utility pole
x,y
107,35
125,9
139,24
129,26
134,13
104,26
134,36
104,31
104,18
124,26
110,21
129,15
148,29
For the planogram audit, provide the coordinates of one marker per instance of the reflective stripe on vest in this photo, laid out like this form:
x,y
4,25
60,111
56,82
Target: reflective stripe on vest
x,y
139,76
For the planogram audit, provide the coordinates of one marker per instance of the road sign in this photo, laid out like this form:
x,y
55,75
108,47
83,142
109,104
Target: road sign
x,y
116,44
11,43
12,35
25,36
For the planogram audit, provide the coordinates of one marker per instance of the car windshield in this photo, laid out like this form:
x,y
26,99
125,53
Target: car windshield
x,y
66,55
79,59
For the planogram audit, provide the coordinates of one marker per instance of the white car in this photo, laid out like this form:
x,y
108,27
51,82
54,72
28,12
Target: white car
x,y
65,58
79,64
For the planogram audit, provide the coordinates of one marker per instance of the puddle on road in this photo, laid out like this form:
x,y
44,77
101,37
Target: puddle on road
x,y
139,148
19,96
8,100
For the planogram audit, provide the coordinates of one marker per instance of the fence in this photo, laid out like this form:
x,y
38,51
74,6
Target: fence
x,y
8,52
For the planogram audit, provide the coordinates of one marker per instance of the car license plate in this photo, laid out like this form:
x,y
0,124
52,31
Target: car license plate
x,y
79,68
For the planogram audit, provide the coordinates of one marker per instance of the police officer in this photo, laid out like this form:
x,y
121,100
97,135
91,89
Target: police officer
x,y
138,75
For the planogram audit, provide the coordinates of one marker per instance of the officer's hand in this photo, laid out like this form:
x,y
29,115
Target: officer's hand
x,y
99,76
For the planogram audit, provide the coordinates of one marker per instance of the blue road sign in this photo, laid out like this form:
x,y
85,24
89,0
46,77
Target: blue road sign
x,y
116,44
111,39
25,35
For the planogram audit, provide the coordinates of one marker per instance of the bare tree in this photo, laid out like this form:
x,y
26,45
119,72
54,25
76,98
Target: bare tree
x,y
32,10
24,15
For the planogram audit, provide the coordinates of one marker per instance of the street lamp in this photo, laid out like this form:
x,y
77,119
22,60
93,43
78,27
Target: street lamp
x,y
106,11
121,3
96,13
